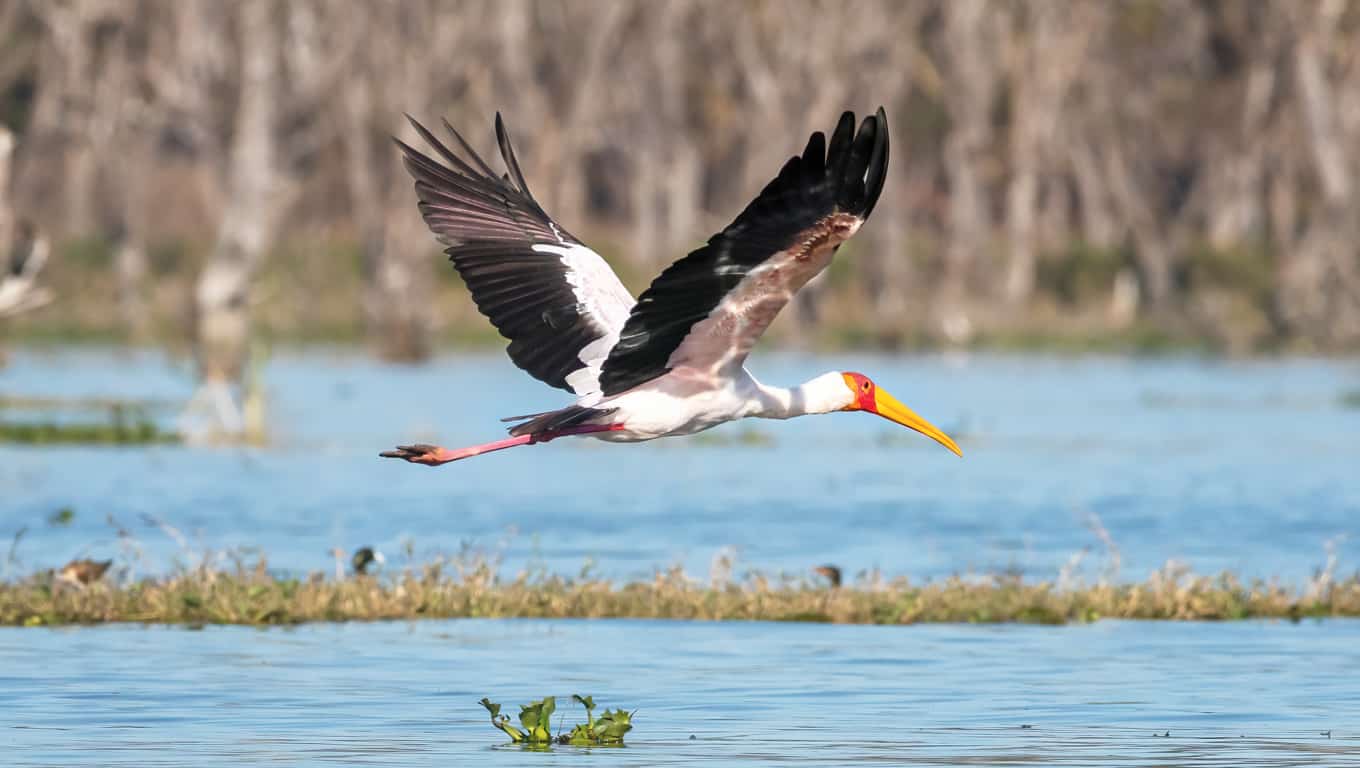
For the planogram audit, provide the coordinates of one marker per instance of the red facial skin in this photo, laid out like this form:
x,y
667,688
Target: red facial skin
x,y
864,393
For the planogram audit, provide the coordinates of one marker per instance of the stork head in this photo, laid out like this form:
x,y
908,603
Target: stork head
x,y
862,394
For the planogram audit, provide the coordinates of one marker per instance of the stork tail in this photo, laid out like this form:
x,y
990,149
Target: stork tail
x,y
561,420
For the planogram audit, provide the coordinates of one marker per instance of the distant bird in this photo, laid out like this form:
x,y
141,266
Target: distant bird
x,y
364,557
673,362
832,574
360,561
83,573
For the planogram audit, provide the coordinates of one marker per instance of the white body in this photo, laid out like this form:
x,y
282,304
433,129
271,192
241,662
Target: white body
x,y
680,405
708,383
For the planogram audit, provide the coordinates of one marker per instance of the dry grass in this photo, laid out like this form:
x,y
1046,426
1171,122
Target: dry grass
x,y
251,595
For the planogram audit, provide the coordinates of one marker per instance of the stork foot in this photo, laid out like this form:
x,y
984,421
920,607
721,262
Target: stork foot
x,y
421,453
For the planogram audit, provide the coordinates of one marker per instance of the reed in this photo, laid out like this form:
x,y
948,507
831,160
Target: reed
x,y
443,590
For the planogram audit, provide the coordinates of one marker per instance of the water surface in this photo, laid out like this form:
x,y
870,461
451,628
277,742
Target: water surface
x,y
1224,466
1100,468
1109,694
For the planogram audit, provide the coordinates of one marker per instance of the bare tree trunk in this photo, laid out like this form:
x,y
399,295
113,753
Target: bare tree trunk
x,y
646,221
1049,53
386,287
578,71
395,246
6,204
682,167
246,229
124,142
1152,247
69,25
1098,225
1237,209
972,82
1319,276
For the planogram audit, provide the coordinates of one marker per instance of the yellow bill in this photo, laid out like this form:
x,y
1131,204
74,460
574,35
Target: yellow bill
x,y
888,407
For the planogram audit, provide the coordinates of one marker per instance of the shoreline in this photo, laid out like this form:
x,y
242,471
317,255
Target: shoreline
x,y
257,598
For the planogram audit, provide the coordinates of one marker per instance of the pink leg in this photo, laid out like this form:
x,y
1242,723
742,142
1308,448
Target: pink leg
x,y
433,455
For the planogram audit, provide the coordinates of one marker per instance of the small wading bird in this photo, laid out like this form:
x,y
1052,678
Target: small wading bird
x,y
831,573
672,362
82,573
363,557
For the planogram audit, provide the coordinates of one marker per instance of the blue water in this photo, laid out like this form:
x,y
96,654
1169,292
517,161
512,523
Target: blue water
x,y
1247,467
1112,693
1093,468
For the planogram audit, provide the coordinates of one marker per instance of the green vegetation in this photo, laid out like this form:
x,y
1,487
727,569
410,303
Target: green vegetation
x,y
118,433
123,422
536,719
252,595
1350,399
101,422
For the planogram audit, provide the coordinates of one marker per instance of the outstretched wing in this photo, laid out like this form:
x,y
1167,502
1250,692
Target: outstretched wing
x,y
706,311
556,300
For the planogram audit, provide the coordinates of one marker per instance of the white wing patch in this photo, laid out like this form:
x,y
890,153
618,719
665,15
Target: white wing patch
x,y
602,298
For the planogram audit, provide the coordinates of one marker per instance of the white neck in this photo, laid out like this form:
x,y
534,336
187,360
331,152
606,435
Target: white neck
x,y
824,394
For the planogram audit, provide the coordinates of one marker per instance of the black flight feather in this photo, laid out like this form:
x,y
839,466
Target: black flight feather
x,y
844,176
490,225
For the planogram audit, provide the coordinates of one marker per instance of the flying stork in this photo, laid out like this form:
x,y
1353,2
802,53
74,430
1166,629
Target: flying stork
x,y
673,361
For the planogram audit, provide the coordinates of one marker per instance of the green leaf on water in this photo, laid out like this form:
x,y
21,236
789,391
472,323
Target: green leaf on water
x,y
581,736
613,725
536,717
589,703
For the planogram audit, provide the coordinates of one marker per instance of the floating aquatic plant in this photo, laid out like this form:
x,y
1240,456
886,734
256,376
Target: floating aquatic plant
x,y
535,717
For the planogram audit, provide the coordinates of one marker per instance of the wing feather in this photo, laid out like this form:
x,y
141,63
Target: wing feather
x,y
556,300
706,311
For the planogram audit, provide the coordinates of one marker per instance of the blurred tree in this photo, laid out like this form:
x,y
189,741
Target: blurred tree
x,y
1186,163
251,211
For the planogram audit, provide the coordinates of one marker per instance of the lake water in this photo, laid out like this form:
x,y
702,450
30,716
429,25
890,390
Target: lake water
x,y
1097,467
1249,467
1112,693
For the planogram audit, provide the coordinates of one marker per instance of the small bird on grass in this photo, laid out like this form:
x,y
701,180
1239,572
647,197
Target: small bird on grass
x,y
82,573
363,558
360,561
832,574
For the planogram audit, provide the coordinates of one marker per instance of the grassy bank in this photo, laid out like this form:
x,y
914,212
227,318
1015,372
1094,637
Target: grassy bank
x,y
255,597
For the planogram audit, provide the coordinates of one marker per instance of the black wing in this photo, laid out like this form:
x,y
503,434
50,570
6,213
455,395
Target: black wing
x,y
707,309
555,299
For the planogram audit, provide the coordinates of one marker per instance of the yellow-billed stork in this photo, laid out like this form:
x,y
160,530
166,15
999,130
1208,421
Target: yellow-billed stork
x,y
672,362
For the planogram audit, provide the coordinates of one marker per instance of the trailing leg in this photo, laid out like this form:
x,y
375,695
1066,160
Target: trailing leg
x,y
433,455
